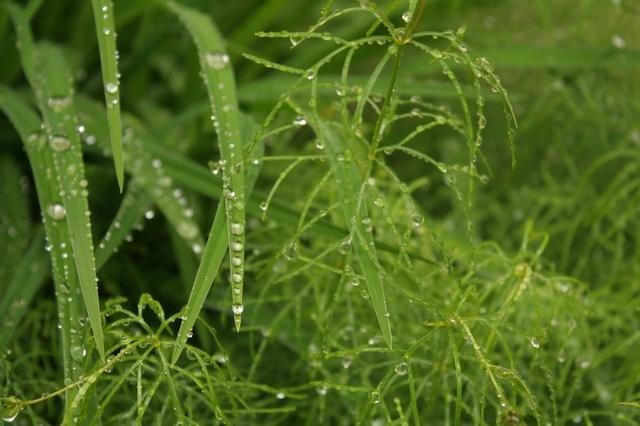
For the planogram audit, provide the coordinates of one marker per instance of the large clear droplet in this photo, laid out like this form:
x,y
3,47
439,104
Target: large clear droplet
x,y
345,245
78,352
56,211
402,368
237,309
60,143
237,228
111,88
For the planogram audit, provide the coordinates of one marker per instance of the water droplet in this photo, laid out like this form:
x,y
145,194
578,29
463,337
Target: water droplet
x,y
417,219
58,103
375,397
379,202
290,252
237,228
402,368
319,144
60,143
280,395
236,278
217,60
346,362
345,245
111,88
322,390
78,352
11,417
56,211
618,42
309,74
189,334
237,309
187,230
534,342
355,281
406,16
236,246
300,121
264,206
197,248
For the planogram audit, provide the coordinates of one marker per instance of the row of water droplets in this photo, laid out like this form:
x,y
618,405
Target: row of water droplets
x,y
68,173
224,116
106,28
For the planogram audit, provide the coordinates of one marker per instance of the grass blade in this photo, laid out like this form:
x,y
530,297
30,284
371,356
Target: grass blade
x,y
212,257
105,27
50,78
220,84
65,278
69,164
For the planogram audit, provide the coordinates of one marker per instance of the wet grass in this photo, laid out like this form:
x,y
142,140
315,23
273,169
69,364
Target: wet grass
x,y
423,212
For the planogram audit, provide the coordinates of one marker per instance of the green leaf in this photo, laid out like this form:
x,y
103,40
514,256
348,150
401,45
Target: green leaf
x,y
103,13
220,84
212,257
50,78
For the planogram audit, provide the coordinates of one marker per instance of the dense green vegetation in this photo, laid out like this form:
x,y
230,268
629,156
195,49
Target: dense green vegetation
x,y
397,212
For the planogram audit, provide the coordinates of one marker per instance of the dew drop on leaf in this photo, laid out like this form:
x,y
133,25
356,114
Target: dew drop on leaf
x,y
56,211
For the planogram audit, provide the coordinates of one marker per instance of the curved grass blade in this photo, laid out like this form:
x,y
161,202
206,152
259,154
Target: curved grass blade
x,y
106,32
65,277
50,78
62,123
212,257
220,83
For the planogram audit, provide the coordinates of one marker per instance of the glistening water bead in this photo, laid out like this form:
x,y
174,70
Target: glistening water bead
x,y
237,309
111,88
56,211
237,228
216,60
60,143
402,368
